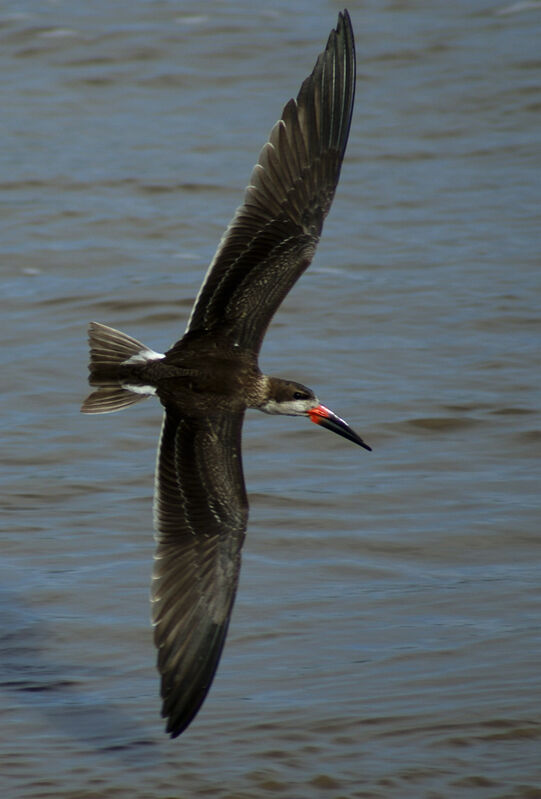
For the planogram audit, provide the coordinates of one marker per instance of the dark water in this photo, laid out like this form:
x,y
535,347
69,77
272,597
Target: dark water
x,y
386,638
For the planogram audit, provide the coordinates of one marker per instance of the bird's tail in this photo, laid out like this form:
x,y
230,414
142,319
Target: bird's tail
x,y
113,355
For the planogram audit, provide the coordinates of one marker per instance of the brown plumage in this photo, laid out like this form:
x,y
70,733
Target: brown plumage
x,y
207,379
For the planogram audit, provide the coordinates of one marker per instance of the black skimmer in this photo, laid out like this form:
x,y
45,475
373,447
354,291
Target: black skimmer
x,y
210,377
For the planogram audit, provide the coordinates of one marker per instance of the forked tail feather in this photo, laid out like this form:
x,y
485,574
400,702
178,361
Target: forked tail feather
x,y
111,351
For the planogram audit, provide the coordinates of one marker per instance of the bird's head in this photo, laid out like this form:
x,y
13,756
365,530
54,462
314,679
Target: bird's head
x,y
294,399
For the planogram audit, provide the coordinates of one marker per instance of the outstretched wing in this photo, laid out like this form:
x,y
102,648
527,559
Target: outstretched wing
x,y
200,517
274,233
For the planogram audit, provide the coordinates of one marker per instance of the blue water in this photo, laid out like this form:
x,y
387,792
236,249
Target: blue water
x,y
385,640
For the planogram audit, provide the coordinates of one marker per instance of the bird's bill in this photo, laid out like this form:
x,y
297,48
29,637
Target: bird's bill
x,y
326,418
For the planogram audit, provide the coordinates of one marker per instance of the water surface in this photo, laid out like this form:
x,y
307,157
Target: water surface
x,y
385,640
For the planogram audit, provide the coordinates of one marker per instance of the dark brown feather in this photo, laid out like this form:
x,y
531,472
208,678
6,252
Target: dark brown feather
x,y
200,516
274,233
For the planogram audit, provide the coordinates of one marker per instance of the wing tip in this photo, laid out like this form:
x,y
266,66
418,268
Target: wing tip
x,y
288,197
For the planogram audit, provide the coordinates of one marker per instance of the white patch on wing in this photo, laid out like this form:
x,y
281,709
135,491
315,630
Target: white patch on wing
x,y
135,389
142,357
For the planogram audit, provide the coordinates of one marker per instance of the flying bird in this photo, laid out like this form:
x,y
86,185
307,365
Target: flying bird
x,y
208,379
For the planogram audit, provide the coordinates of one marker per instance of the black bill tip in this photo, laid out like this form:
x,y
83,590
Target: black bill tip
x,y
326,418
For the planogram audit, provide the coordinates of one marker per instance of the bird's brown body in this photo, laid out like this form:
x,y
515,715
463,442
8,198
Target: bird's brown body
x,y
204,375
208,379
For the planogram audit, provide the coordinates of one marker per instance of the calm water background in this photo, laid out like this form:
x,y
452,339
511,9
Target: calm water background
x,y
386,637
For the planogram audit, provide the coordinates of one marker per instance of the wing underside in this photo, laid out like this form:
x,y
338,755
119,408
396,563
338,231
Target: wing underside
x,y
200,519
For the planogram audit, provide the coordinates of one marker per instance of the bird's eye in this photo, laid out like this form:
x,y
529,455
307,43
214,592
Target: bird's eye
x,y
300,395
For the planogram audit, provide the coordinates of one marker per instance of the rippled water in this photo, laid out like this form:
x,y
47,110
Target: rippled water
x,y
386,638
